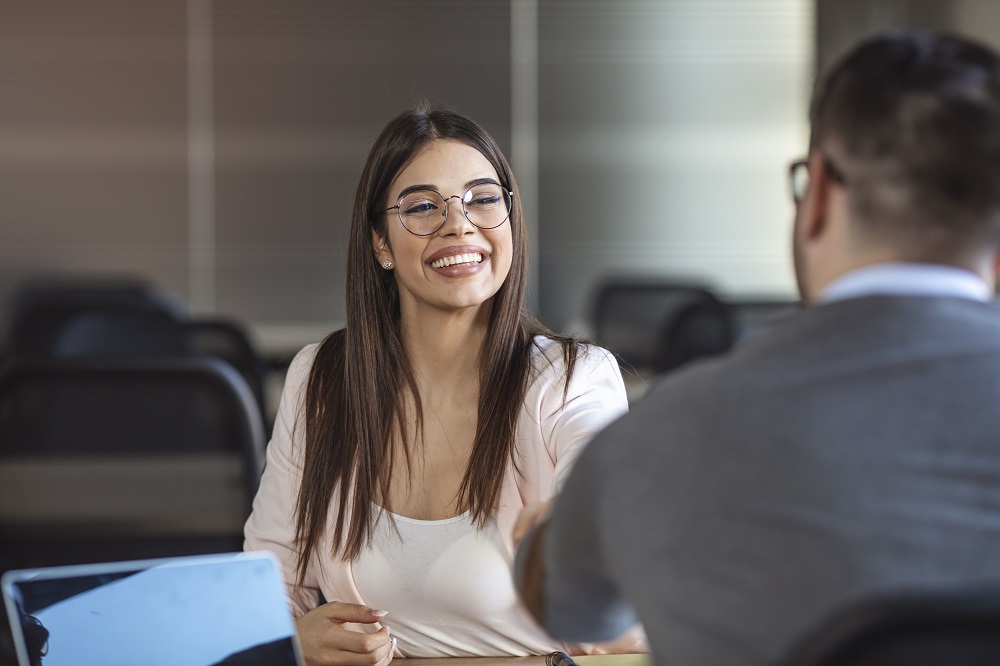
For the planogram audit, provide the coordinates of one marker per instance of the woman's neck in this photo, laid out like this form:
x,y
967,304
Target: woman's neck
x,y
443,347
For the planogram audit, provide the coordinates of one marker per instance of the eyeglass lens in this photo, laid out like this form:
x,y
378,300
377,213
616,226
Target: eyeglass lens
x,y
799,180
423,212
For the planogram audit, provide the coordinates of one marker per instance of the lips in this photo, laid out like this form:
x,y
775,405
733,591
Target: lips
x,y
458,254
458,261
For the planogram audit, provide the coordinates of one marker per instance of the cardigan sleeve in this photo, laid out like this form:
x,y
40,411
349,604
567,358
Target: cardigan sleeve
x,y
594,399
571,416
271,525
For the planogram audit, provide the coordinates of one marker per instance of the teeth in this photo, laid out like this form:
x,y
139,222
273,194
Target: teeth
x,y
470,258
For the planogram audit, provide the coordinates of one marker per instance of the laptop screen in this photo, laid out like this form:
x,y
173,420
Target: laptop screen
x,y
190,611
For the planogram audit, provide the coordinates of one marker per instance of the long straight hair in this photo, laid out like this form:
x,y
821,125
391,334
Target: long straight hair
x,y
354,395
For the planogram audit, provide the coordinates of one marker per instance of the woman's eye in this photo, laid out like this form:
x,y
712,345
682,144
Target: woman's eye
x,y
484,201
419,208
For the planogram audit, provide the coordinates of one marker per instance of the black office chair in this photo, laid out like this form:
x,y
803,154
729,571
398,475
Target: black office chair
x,y
696,330
229,341
105,334
958,627
121,459
40,310
658,326
148,335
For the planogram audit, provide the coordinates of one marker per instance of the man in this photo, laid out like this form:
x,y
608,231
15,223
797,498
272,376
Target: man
x,y
854,449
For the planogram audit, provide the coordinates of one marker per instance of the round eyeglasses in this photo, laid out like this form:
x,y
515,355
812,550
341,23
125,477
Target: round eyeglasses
x,y
422,212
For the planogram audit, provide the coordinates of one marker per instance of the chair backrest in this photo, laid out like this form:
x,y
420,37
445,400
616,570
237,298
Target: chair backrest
x,y
152,336
958,627
228,341
657,325
121,335
696,330
40,311
119,458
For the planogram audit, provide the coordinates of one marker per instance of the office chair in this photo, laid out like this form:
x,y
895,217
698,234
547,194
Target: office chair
x,y
696,330
658,326
123,459
148,335
123,334
40,310
227,340
959,627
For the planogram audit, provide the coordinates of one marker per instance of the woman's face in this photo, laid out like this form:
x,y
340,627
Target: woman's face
x,y
425,267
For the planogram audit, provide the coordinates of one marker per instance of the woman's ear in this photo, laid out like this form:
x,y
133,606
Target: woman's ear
x,y
383,255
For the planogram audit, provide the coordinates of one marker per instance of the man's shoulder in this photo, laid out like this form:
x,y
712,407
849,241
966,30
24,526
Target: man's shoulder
x,y
870,322
812,343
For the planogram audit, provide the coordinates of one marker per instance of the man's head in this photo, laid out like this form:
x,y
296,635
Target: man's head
x,y
904,160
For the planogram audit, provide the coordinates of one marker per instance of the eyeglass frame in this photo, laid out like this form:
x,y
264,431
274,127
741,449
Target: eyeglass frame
x,y
444,212
831,169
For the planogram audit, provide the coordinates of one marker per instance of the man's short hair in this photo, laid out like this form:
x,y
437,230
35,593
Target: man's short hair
x,y
914,120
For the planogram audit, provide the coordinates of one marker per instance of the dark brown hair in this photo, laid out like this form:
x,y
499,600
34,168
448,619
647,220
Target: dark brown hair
x,y
355,388
914,120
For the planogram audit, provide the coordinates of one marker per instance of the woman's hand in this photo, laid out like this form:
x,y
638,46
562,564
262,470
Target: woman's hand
x,y
325,641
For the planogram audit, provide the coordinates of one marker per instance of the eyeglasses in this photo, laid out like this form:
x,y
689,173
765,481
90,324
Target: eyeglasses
x,y
798,177
422,212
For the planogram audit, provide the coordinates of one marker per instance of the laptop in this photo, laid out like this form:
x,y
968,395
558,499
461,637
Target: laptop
x,y
200,610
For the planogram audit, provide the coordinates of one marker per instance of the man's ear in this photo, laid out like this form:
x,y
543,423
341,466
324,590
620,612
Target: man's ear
x,y
814,204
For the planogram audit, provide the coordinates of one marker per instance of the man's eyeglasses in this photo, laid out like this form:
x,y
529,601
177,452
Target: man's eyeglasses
x,y
422,212
798,177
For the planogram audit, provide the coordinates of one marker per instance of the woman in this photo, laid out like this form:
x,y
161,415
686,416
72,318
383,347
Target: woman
x,y
407,443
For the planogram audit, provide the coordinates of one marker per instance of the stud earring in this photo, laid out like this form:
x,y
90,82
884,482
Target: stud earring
x,y
387,264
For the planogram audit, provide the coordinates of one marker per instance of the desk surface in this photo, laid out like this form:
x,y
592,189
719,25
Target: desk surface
x,y
594,660
186,494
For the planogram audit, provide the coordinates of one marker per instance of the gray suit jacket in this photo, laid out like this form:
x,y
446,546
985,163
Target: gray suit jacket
x,y
855,447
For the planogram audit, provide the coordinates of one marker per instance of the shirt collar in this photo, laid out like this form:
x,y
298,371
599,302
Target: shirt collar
x,y
903,279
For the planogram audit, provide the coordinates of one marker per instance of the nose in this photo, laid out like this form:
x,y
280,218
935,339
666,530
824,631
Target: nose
x,y
458,224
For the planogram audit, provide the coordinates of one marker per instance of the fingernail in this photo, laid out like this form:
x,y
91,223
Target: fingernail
x,y
393,643
379,613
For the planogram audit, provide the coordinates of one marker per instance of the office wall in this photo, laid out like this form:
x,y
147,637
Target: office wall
x,y
93,163
665,132
215,146
841,23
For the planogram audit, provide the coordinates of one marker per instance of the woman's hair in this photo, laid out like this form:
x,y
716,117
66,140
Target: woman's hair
x,y
354,396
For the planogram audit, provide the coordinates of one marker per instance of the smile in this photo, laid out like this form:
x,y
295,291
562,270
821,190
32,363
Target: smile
x,y
468,259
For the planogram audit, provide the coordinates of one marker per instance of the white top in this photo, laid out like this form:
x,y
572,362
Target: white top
x,y
553,428
903,279
449,587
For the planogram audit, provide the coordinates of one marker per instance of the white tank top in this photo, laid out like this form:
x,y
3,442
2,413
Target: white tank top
x,y
448,588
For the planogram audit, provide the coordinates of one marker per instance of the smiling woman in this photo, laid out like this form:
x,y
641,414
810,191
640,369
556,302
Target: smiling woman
x,y
447,261
407,443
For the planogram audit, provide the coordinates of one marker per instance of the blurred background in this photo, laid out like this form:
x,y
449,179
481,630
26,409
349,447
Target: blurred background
x,y
212,147
177,179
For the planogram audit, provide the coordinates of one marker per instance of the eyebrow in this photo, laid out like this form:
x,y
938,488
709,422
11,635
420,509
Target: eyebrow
x,y
433,188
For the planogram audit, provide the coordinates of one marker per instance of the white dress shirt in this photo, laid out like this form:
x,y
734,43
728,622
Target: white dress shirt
x,y
903,279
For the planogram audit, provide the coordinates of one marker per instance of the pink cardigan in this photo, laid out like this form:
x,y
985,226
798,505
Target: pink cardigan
x,y
550,436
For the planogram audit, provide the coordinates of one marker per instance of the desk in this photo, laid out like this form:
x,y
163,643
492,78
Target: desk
x,y
594,660
147,494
